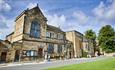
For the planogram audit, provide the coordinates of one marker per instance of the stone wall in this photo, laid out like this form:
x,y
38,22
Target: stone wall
x,y
77,43
34,15
18,32
23,44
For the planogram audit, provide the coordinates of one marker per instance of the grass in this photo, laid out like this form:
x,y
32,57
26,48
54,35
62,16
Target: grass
x,y
107,64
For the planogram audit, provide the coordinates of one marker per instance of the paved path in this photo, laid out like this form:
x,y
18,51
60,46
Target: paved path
x,y
45,65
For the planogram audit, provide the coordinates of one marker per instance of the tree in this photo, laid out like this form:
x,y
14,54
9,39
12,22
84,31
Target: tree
x,y
107,39
91,36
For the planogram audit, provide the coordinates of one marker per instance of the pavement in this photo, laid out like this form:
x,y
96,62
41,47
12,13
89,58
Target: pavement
x,y
47,64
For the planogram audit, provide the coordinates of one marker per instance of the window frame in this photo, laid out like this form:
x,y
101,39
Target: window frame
x,y
35,29
28,53
50,48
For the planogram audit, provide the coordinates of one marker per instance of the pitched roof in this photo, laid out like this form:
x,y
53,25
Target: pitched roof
x,y
3,45
53,28
27,10
76,32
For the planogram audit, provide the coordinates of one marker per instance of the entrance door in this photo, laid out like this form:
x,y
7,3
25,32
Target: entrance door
x,y
17,54
70,54
3,56
40,52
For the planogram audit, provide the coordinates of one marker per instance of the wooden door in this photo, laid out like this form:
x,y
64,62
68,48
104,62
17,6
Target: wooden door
x,y
3,56
40,52
17,54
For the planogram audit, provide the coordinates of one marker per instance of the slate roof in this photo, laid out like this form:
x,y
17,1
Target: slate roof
x,y
53,28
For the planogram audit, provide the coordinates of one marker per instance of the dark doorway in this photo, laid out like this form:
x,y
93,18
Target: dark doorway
x,y
40,52
3,56
70,54
17,54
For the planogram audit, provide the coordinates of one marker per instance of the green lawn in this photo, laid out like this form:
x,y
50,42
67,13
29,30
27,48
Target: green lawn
x,y
107,64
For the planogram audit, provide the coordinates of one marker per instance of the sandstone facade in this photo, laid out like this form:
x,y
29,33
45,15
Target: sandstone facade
x,y
34,39
76,38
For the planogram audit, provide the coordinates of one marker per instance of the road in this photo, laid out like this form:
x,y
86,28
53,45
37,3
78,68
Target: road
x,y
45,65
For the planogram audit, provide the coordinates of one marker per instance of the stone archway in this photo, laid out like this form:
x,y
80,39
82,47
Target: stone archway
x,y
3,56
17,55
40,52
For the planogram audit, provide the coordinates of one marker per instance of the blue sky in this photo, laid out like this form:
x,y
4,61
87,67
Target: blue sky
x,y
79,15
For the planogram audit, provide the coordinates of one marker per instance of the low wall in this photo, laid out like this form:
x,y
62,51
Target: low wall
x,y
110,54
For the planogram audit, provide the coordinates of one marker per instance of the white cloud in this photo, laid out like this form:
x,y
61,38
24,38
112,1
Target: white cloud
x,y
82,21
105,12
4,6
3,24
80,16
99,10
31,5
109,1
110,14
6,26
56,20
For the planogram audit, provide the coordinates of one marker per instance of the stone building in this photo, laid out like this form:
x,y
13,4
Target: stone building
x,y
5,51
88,47
69,52
34,39
76,38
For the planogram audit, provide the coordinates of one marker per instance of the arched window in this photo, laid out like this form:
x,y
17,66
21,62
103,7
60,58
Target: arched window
x,y
35,29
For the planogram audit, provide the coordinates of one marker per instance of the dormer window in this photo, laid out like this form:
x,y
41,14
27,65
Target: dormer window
x,y
35,29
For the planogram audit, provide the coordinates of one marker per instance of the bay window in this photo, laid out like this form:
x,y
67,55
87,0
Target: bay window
x,y
29,53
